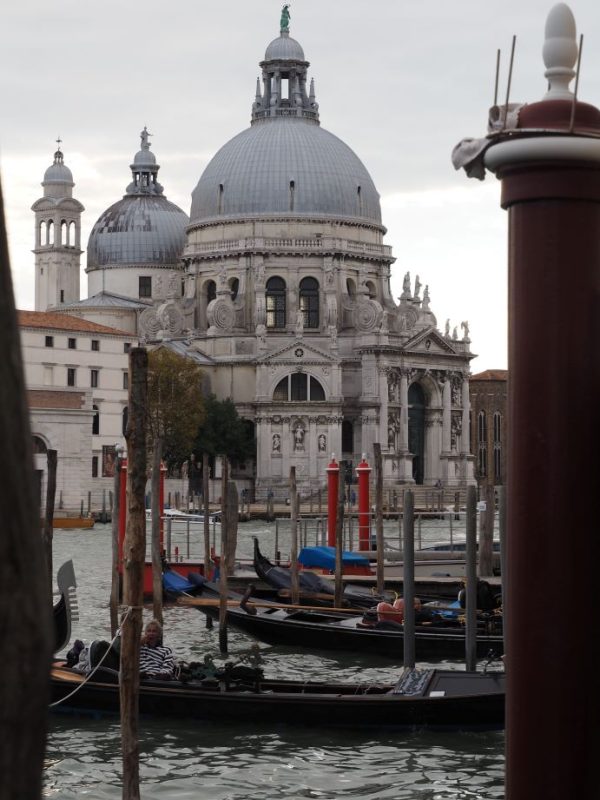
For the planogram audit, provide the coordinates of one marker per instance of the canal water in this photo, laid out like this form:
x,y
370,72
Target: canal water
x,y
208,761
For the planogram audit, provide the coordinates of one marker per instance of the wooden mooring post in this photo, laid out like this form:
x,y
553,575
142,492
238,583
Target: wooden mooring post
x,y
223,562
48,532
339,536
155,505
294,536
379,515
114,522
134,553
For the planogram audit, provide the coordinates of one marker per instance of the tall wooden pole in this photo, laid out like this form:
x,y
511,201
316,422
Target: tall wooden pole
x,y
223,589
233,515
205,493
485,565
157,510
294,536
471,577
114,521
379,515
133,571
408,579
27,631
48,532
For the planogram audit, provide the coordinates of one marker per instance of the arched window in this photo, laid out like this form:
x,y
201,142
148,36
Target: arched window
x,y
482,444
211,291
276,307
125,420
309,302
372,290
43,234
39,446
72,240
350,287
50,237
96,421
63,233
234,287
299,387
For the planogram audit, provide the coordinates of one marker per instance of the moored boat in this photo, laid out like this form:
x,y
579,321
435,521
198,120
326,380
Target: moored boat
x,y
420,698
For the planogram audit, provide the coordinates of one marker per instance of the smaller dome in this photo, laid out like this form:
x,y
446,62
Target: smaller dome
x,y
284,48
58,172
144,158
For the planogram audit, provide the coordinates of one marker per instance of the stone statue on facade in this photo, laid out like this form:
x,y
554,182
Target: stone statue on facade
x,y
285,17
447,328
276,447
417,288
299,322
455,333
299,438
144,138
465,328
322,443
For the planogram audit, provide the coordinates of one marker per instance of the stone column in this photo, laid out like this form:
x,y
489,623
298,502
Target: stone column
x,y
403,411
447,416
465,445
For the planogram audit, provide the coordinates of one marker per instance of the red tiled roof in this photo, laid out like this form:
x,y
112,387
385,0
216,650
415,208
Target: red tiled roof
x,y
490,375
64,322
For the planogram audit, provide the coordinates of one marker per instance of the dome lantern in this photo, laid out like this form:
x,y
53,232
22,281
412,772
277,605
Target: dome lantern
x,y
284,80
144,169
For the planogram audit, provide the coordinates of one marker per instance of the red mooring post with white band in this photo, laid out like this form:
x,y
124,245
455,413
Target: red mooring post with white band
x,y
333,479
548,160
363,471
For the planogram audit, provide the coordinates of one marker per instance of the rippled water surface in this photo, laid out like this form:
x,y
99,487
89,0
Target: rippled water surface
x,y
234,762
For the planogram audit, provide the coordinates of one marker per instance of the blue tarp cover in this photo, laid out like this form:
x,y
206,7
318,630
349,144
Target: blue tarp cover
x,y
174,582
324,557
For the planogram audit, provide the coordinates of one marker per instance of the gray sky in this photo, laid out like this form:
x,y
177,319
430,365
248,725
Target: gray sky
x,y
399,81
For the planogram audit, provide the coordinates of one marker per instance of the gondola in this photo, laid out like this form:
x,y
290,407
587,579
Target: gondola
x,y
65,608
314,590
335,630
443,699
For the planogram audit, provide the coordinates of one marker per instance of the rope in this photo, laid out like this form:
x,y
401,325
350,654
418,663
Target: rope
x,y
98,665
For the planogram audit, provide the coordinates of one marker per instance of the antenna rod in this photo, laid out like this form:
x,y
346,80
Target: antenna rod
x,y
510,69
574,103
497,76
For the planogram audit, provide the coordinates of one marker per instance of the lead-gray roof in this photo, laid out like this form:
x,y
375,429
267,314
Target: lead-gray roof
x,y
108,300
253,175
284,48
139,229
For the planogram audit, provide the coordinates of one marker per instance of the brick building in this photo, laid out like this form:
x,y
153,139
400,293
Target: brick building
x,y
488,393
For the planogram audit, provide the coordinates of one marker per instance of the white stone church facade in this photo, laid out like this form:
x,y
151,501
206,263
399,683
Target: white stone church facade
x,y
279,284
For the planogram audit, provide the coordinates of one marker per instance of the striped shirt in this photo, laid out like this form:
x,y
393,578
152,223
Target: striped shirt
x,y
157,662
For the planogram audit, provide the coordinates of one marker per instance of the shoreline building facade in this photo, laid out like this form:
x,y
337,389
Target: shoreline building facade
x,y
279,282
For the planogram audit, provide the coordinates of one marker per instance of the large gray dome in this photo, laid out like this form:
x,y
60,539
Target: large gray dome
x,y
285,165
284,48
139,229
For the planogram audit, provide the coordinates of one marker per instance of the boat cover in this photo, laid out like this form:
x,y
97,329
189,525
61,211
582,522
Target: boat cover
x,y
324,557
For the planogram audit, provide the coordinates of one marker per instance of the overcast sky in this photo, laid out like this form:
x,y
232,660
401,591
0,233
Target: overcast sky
x,y
400,81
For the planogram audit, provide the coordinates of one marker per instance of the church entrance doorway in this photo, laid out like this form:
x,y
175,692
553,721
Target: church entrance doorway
x,y
416,430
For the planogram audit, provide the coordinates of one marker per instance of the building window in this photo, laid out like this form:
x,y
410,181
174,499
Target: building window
x,y
72,344
94,466
497,446
94,378
49,341
71,375
298,388
145,286
482,444
211,291
126,380
126,347
96,421
234,287
96,345
309,302
62,295
275,296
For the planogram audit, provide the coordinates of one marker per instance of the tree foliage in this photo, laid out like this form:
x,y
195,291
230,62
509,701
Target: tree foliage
x,y
175,403
223,432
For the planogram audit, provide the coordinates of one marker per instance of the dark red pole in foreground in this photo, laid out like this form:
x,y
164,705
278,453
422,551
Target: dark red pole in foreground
x,y
550,172
363,471
333,477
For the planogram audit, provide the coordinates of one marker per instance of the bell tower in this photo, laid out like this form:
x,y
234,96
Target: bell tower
x,y
57,238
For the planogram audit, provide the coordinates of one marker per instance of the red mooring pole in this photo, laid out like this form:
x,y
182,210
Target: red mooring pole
x,y
333,479
122,510
364,514
551,189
